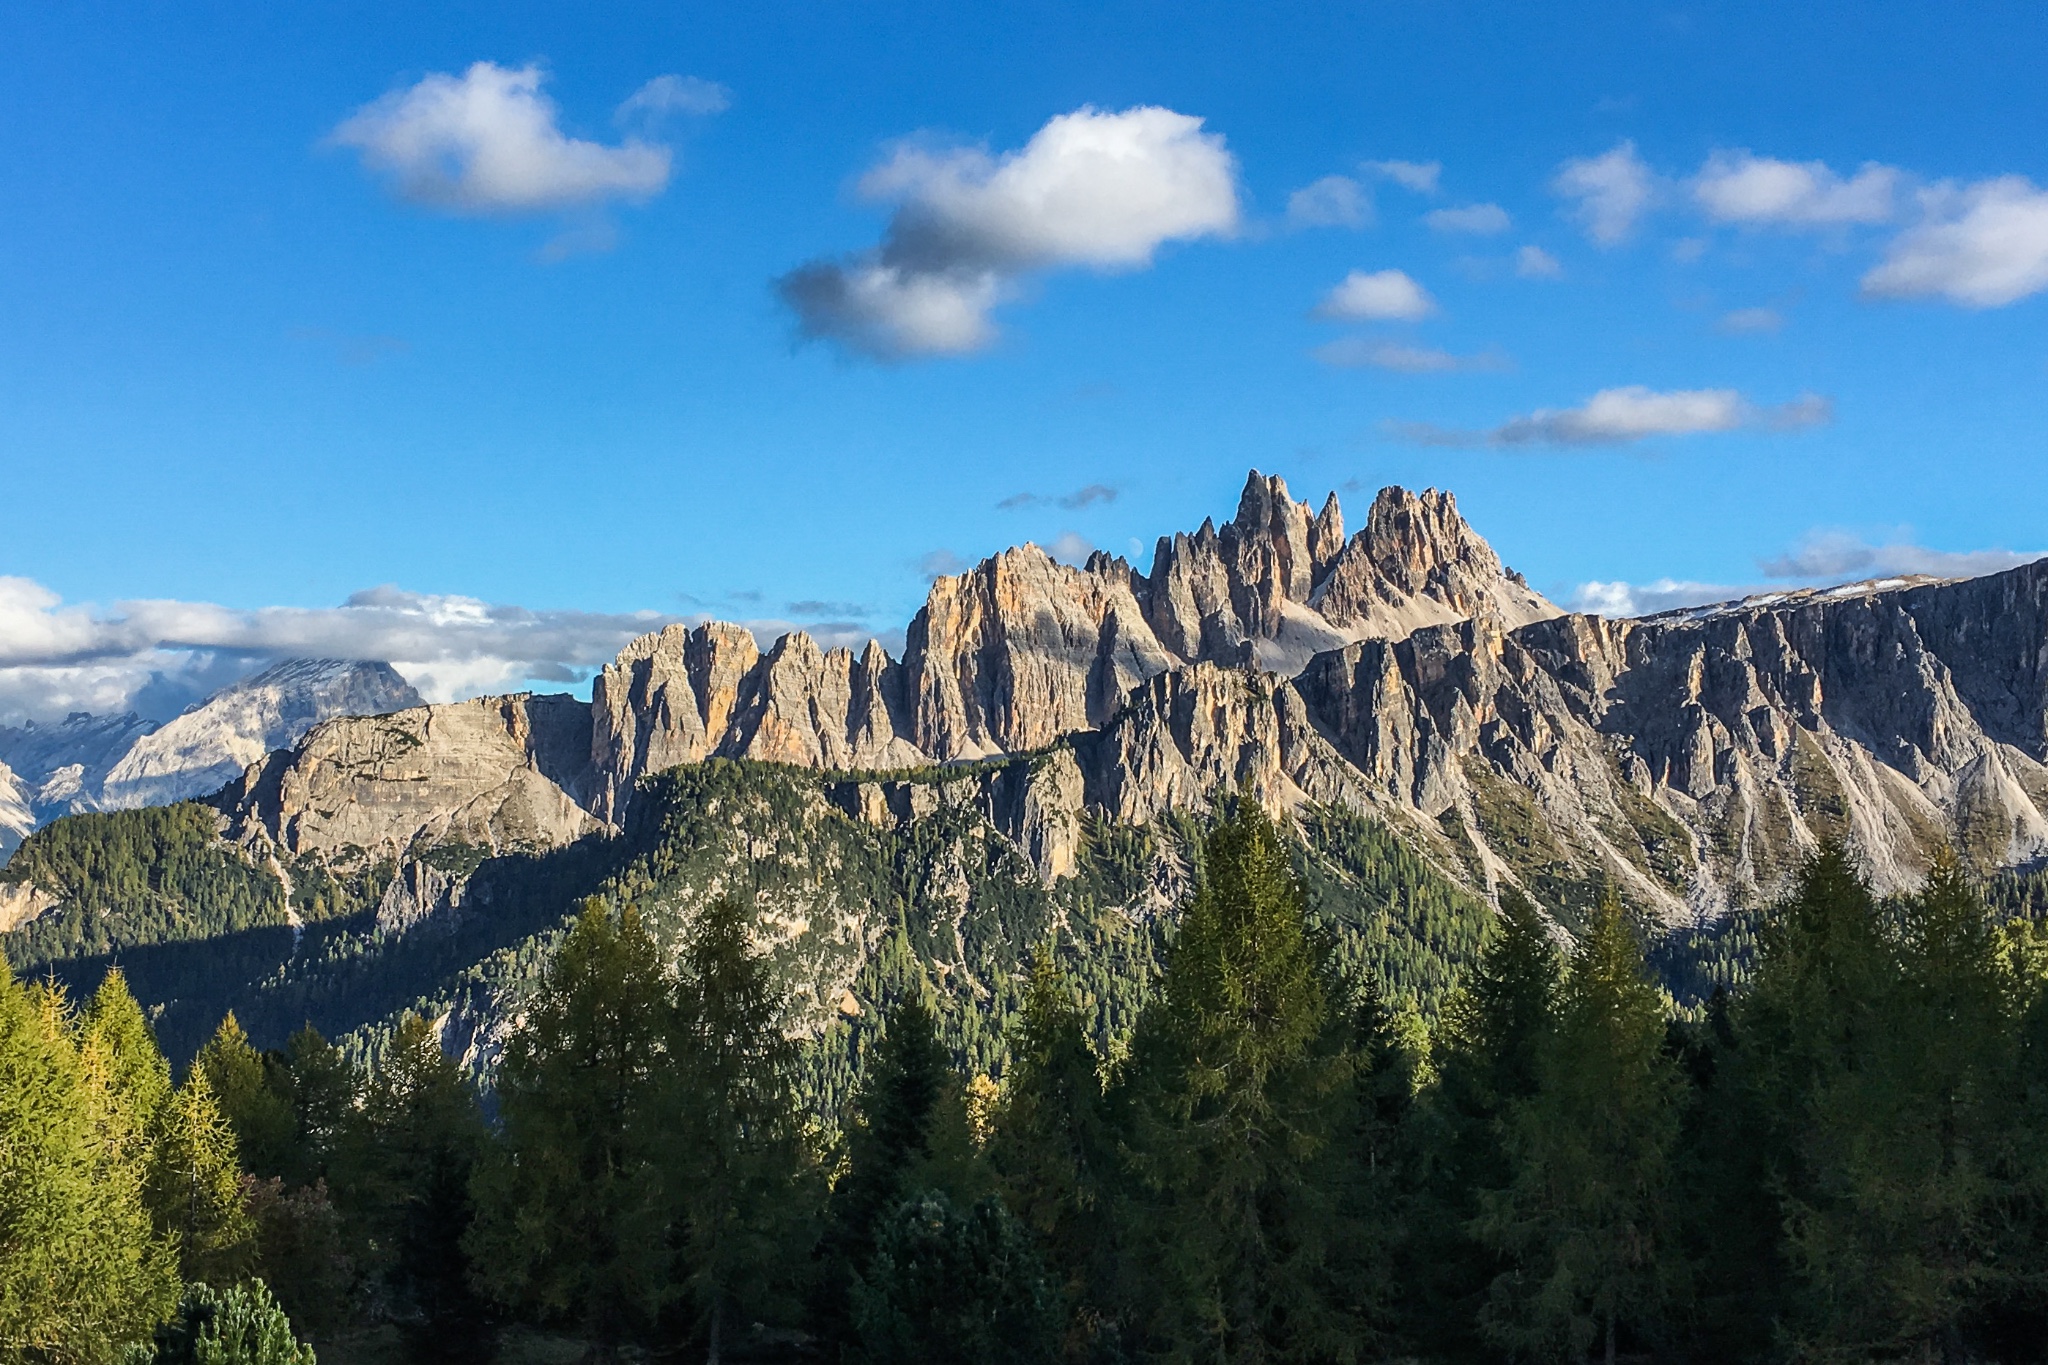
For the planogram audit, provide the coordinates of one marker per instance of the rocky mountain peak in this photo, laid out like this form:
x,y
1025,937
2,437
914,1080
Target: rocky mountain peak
x,y
211,744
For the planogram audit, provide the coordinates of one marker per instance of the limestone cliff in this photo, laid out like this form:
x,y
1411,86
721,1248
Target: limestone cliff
x,y
496,773
1690,758
209,745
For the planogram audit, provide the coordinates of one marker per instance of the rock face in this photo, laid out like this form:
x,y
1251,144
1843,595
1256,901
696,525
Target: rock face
x,y
1691,758
498,773
209,746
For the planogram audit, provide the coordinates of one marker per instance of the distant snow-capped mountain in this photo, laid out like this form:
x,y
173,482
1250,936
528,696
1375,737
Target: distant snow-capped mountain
x,y
90,762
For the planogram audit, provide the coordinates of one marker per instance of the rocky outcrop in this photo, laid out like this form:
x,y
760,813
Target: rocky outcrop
x,y
21,902
498,773
210,745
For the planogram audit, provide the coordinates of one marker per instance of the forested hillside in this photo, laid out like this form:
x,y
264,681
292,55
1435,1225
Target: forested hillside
x,y
856,913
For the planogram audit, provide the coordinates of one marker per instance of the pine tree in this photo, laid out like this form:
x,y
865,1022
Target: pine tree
x,y
1875,1063
194,1188
946,1286
573,1217
259,1114
1484,1052
1052,1146
81,1270
1241,1082
1586,1215
908,1136
322,1089
112,1025
242,1326
742,1161
407,1176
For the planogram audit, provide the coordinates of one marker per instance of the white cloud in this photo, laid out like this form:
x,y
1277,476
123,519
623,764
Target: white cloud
x,y
1981,246
1821,559
1091,188
1534,263
673,95
1750,321
1647,599
1837,556
1381,296
1071,548
1333,201
1631,413
1480,220
1738,187
55,658
1609,192
1355,352
1420,176
487,142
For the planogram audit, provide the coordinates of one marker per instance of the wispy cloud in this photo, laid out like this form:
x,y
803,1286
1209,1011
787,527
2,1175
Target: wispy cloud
x,y
1534,263
1071,548
666,95
1364,352
1091,188
1750,321
1632,413
1081,497
1842,555
1419,176
1333,201
1607,193
1478,220
941,563
1821,559
488,142
1377,296
1981,246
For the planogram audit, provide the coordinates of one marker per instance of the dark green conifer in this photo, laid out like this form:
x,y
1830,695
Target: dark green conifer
x,y
575,1221
1585,1218
741,1159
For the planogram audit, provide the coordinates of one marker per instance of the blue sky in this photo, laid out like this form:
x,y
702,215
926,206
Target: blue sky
x,y
300,305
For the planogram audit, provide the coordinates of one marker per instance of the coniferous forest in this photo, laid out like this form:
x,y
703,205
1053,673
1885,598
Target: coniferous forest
x,y
1843,1159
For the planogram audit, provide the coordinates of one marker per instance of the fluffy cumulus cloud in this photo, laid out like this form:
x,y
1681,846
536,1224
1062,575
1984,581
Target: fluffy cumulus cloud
x,y
1419,176
1333,201
1363,352
489,141
1377,296
1619,416
1091,188
1479,220
1757,191
56,657
1980,246
1608,193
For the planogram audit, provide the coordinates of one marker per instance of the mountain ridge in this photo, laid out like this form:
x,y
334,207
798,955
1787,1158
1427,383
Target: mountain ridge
x,y
1690,758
